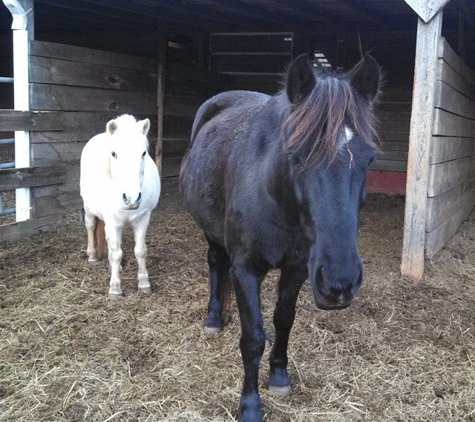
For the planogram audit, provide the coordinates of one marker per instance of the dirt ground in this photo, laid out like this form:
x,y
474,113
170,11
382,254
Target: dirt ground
x,y
404,350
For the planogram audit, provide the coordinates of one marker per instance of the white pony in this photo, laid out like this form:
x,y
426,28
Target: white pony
x,y
119,184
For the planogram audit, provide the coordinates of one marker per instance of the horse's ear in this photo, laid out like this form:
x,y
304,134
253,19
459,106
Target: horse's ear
x,y
366,77
300,79
144,126
111,127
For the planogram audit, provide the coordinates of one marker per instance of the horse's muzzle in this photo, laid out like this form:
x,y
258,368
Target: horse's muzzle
x,y
338,296
131,207
130,204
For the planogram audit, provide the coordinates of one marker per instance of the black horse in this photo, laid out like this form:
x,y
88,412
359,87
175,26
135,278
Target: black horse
x,y
277,182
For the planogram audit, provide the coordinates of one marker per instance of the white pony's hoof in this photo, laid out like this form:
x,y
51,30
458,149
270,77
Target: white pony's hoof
x,y
280,391
212,330
93,260
145,290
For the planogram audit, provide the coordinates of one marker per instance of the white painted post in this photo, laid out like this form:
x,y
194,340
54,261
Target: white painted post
x,y
22,26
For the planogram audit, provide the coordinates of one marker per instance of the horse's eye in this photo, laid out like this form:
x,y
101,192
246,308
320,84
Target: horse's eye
x,y
372,159
114,154
294,160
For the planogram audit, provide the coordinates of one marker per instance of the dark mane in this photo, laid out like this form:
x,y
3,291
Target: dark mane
x,y
314,125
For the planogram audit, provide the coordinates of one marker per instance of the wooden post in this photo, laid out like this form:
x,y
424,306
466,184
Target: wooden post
x,y
428,35
162,61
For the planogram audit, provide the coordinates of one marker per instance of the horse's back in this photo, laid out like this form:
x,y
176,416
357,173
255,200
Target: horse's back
x,y
220,131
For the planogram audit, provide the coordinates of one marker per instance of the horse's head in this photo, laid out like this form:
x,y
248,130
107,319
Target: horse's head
x,y
128,149
329,149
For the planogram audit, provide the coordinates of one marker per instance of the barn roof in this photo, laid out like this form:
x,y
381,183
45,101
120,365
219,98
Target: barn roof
x,y
234,15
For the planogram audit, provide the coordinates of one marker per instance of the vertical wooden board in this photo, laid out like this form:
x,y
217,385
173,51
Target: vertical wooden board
x,y
428,35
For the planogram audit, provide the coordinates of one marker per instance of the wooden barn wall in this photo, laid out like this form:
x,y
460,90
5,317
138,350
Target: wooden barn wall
x,y
451,186
74,92
88,88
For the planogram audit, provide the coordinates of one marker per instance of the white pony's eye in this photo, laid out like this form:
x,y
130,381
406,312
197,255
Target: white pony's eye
x,y
114,154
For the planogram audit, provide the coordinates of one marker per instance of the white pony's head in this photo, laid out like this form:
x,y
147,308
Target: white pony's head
x,y
128,151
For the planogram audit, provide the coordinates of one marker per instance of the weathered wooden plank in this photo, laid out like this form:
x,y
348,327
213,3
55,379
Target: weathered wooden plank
x,y
11,179
56,204
446,148
450,56
175,147
428,35
386,165
87,55
60,152
448,124
445,176
394,146
68,98
16,231
443,206
171,166
66,72
448,99
393,136
182,106
11,120
393,155
81,126
453,79
177,126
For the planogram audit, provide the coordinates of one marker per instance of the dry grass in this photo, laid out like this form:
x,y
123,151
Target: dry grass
x,y
403,351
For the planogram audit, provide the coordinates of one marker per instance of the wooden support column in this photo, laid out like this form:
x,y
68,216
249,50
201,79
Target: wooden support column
x,y
428,35
162,61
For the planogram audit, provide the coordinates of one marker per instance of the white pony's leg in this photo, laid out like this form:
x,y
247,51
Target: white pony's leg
x,y
90,223
114,240
140,250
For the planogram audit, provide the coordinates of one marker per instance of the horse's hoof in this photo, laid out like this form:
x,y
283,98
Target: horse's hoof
x,y
145,290
280,391
115,296
93,260
212,330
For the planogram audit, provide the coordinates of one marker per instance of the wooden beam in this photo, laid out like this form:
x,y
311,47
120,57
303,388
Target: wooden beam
x,y
29,177
33,121
428,35
426,9
161,71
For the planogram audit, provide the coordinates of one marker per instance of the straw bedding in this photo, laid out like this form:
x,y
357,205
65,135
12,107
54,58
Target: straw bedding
x,y
403,351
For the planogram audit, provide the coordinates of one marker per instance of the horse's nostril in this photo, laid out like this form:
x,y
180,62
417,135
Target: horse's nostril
x,y
125,199
139,197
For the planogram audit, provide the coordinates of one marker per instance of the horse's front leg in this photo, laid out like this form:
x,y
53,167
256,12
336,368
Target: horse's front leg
x,y
140,251
90,223
252,342
114,240
290,282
